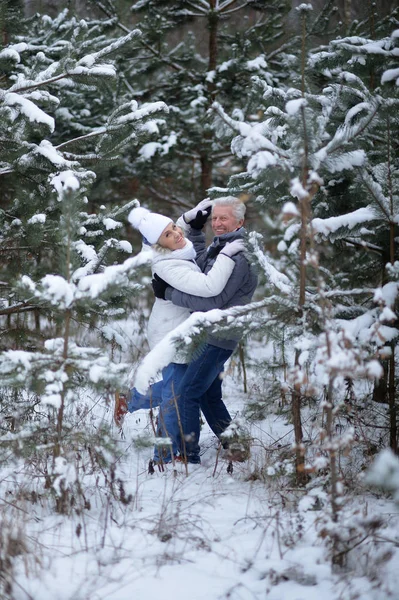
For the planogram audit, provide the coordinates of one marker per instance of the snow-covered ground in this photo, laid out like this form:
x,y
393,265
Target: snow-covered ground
x,y
208,535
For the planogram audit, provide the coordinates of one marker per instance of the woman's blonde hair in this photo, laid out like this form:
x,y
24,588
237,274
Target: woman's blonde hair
x,y
160,249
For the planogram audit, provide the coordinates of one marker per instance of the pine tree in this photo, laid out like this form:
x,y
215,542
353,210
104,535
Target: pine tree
x,y
59,278
318,145
216,60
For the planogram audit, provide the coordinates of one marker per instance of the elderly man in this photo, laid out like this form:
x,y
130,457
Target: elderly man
x,y
201,384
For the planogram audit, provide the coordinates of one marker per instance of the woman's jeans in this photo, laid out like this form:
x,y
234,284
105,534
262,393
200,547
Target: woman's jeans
x,y
163,394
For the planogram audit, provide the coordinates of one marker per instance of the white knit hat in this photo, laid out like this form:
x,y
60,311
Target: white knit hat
x,y
150,224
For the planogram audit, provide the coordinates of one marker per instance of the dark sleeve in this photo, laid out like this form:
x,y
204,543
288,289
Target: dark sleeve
x,y
198,240
195,303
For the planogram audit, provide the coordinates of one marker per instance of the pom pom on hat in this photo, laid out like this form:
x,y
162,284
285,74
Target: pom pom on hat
x,y
150,225
136,215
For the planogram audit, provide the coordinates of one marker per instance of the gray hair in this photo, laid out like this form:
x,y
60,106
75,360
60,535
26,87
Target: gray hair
x,y
239,207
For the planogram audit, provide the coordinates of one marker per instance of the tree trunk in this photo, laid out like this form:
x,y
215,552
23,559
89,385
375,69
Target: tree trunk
x,y
206,156
393,434
301,476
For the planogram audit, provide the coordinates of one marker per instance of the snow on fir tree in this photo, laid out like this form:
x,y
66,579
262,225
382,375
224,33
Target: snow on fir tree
x,y
320,143
188,77
60,280
46,76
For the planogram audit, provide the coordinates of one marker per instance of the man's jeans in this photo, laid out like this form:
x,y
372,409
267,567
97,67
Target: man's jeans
x,y
201,388
163,394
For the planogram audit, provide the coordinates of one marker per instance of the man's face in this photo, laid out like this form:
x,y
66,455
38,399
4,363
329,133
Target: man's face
x,y
224,221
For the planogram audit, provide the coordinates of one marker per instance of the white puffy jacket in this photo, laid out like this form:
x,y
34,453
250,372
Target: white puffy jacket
x,y
186,276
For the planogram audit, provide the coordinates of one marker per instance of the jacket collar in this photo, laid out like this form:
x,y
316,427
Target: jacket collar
x,y
221,240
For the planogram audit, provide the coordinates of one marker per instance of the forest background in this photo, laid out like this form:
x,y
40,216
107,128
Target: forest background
x,y
291,107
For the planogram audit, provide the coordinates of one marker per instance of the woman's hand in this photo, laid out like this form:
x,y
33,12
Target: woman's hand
x,y
198,216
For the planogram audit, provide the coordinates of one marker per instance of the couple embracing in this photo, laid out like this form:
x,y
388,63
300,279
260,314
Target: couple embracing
x,y
190,277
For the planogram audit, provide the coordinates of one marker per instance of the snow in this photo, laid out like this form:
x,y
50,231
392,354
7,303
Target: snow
x,y
297,190
304,7
64,181
384,472
293,106
46,149
13,52
103,70
207,534
290,210
29,109
148,150
347,160
257,63
349,220
355,110
115,275
210,76
111,224
39,218
125,246
387,315
58,291
224,66
260,161
390,75
387,294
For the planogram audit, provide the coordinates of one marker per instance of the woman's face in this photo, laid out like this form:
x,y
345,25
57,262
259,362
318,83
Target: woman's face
x,y
172,237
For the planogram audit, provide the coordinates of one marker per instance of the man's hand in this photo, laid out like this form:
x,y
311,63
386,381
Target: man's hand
x,y
197,216
159,286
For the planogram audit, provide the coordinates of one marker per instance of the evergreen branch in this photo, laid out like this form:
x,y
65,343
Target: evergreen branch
x,y
369,185
17,308
83,157
322,16
365,245
339,293
186,154
174,201
188,13
203,11
153,51
103,52
99,131
233,10
16,89
170,63
235,126
283,47
343,140
205,4
115,45
226,4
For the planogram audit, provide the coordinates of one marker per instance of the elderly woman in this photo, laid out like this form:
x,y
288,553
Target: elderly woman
x,y
174,262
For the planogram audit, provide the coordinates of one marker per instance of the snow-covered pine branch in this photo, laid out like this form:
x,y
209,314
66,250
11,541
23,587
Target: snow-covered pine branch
x,y
164,352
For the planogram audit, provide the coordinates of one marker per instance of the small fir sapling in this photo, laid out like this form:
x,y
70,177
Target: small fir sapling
x,y
59,248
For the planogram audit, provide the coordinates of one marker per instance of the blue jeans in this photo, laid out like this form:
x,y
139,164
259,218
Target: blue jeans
x,y
201,389
163,394
151,399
